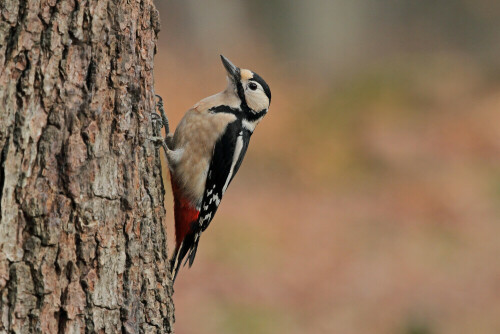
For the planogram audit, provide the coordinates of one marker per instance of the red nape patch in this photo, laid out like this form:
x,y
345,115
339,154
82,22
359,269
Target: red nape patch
x,y
184,214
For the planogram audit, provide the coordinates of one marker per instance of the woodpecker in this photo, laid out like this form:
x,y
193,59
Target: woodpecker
x,y
206,151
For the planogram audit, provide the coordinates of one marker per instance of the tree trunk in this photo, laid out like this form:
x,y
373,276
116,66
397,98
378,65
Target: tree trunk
x,y
82,244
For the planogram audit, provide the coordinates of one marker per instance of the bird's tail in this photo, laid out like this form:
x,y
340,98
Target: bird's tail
x,y
187,230
187,247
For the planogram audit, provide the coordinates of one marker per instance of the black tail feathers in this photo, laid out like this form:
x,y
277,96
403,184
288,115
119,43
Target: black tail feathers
x,y
187,247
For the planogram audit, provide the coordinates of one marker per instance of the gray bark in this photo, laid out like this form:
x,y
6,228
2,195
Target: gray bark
x,y
82,244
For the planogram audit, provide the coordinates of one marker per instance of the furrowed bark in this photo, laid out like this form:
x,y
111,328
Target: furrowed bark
x,y
82,245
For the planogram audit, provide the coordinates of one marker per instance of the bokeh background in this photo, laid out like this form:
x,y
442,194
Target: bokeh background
x,y
369,199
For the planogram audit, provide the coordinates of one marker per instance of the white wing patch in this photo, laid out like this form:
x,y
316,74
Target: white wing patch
x,y
207,218
215,198
236,156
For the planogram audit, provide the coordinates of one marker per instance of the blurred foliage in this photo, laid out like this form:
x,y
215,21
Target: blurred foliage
x,y
417,328
372,187
249,319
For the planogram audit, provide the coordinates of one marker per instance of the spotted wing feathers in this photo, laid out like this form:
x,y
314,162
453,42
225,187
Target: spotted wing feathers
x,y
228,154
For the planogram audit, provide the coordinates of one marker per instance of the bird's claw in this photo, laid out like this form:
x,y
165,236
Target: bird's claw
x,y
159,121
164,118
158,140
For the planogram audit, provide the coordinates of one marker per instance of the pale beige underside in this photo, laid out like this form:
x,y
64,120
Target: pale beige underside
x,y
195,137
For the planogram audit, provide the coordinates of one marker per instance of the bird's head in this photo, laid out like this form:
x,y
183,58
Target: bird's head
x,y
250,88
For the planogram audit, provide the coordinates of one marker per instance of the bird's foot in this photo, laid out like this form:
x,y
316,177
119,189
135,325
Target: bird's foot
x,y
163,121
163,115
158,140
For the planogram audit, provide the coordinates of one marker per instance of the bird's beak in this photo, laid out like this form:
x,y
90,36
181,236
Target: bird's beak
x,y
232,71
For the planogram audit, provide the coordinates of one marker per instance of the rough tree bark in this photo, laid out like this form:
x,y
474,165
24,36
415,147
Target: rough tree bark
x,y
82,245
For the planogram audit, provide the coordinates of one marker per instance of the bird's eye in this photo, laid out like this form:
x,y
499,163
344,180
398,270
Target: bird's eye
x,y
252,86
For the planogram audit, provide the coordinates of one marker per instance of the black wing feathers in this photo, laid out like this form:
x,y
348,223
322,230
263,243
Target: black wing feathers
x,y
218,174
219,170
235,138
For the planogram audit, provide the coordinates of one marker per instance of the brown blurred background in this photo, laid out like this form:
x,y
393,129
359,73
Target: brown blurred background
x,y
369,199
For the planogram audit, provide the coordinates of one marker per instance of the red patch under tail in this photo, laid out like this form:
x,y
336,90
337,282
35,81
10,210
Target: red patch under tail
x,y
184,214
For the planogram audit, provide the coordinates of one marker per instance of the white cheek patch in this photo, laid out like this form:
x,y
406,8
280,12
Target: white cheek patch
x,y
257,100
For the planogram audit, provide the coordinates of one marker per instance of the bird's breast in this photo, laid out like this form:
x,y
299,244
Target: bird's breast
x,y
197,134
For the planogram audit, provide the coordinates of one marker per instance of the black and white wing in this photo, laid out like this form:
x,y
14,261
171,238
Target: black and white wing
x,y
228,154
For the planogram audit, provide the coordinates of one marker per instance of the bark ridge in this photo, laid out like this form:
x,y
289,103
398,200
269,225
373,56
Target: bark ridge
x,y
82,245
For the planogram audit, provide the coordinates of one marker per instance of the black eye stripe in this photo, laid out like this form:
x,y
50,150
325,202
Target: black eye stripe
x,y
264,85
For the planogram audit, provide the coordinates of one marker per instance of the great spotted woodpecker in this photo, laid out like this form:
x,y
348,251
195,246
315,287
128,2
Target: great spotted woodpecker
x,y
206,152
